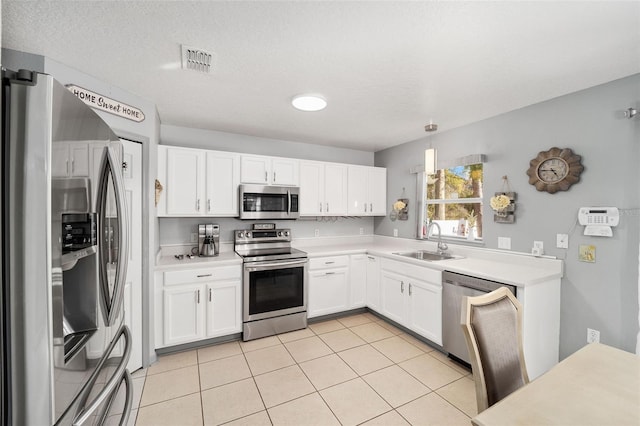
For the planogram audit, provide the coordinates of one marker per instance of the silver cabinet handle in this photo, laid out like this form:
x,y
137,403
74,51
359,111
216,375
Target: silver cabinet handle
x,y
209,295
204,275
409,289
266,177
208,204
327,207
401,286
198,205
320,207
371,258
371,207
73,166
329,273
274,177
365,207
198,296
329,263
67,166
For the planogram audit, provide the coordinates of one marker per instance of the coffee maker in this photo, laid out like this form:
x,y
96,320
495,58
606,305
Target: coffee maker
x,y
208,239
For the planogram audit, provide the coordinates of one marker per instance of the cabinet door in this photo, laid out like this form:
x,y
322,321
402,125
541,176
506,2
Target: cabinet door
x,y
285,171
357,191
373,283
311,188
223,177
79,159
255,169
336,187
358,281
185,181
224,303
328,291
183,314
393,289
425,309
60,166
377,191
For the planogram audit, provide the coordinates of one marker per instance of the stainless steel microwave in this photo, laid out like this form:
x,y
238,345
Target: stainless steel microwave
x,y
269,202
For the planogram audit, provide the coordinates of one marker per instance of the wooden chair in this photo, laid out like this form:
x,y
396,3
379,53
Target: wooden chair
x,y
492,325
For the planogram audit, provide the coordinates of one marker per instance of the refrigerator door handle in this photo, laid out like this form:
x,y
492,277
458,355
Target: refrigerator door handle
x,y
112,302
88,409
126,410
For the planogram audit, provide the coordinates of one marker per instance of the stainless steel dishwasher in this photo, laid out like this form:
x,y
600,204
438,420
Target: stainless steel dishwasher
x,y
454,288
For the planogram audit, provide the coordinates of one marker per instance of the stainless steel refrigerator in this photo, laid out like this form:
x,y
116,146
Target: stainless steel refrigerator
x,y
64,346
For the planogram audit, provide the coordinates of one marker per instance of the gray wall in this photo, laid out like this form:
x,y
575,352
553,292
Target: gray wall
x,y
601,295
209,139
178,230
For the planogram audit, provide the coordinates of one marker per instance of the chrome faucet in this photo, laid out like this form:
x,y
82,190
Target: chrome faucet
x,y
441,245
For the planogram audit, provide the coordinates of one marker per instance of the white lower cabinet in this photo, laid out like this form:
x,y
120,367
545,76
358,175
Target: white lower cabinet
x,y
413,302
196,304
357,281
373,283
328,285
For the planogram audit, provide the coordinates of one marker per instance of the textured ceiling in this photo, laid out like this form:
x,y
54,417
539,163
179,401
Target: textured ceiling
x,y
385,68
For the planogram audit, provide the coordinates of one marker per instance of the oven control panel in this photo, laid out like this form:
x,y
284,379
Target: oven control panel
x,y
259,235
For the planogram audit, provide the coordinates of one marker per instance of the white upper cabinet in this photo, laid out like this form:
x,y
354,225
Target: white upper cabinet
x,y
265,170
367,193
198,182
323,189
223,177
185,181
70,159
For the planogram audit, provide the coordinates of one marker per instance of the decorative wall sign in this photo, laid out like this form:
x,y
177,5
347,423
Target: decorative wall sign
x,y
106,104
504,207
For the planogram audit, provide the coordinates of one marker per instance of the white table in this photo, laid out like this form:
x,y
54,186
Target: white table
x,y
597,385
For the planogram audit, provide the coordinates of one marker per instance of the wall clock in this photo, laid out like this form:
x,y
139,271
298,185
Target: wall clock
x,y
555,170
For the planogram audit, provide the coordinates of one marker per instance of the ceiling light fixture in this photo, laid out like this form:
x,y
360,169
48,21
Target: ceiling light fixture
x,y
308,102
430,127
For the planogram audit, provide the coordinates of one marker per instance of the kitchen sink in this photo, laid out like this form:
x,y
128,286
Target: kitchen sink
x,y
428,256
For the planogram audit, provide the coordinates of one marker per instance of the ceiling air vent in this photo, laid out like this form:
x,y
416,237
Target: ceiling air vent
x,y
196,59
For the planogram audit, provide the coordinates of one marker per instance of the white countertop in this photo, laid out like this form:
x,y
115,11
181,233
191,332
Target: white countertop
x,y
518,269
225,258
507,267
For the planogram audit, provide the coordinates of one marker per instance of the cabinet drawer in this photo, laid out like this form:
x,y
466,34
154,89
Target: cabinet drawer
x,y
202,275
328,262
420,272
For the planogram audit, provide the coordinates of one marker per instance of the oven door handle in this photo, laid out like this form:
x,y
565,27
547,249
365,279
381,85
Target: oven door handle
x,y
270,265
288,203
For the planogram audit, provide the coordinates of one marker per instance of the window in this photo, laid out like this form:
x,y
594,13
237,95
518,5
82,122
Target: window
x,y
453,199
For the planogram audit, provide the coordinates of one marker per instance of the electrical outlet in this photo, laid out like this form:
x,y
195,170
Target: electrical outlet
x,y
538,245
316,232
504,243
194,237
395,232
562,241
361,231
593,336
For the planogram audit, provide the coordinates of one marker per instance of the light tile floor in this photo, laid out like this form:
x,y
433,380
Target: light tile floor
x,y
348,371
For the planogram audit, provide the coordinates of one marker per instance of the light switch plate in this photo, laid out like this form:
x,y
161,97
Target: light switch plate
x,y
562,241
504,243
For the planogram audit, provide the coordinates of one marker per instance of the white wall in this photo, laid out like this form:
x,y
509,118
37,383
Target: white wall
x,y
601,295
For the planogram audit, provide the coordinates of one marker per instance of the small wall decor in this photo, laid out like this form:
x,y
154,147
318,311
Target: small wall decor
x,y
400,209
503,204
158,191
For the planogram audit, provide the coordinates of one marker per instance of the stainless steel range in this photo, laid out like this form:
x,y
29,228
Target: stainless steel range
x,y
274,282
